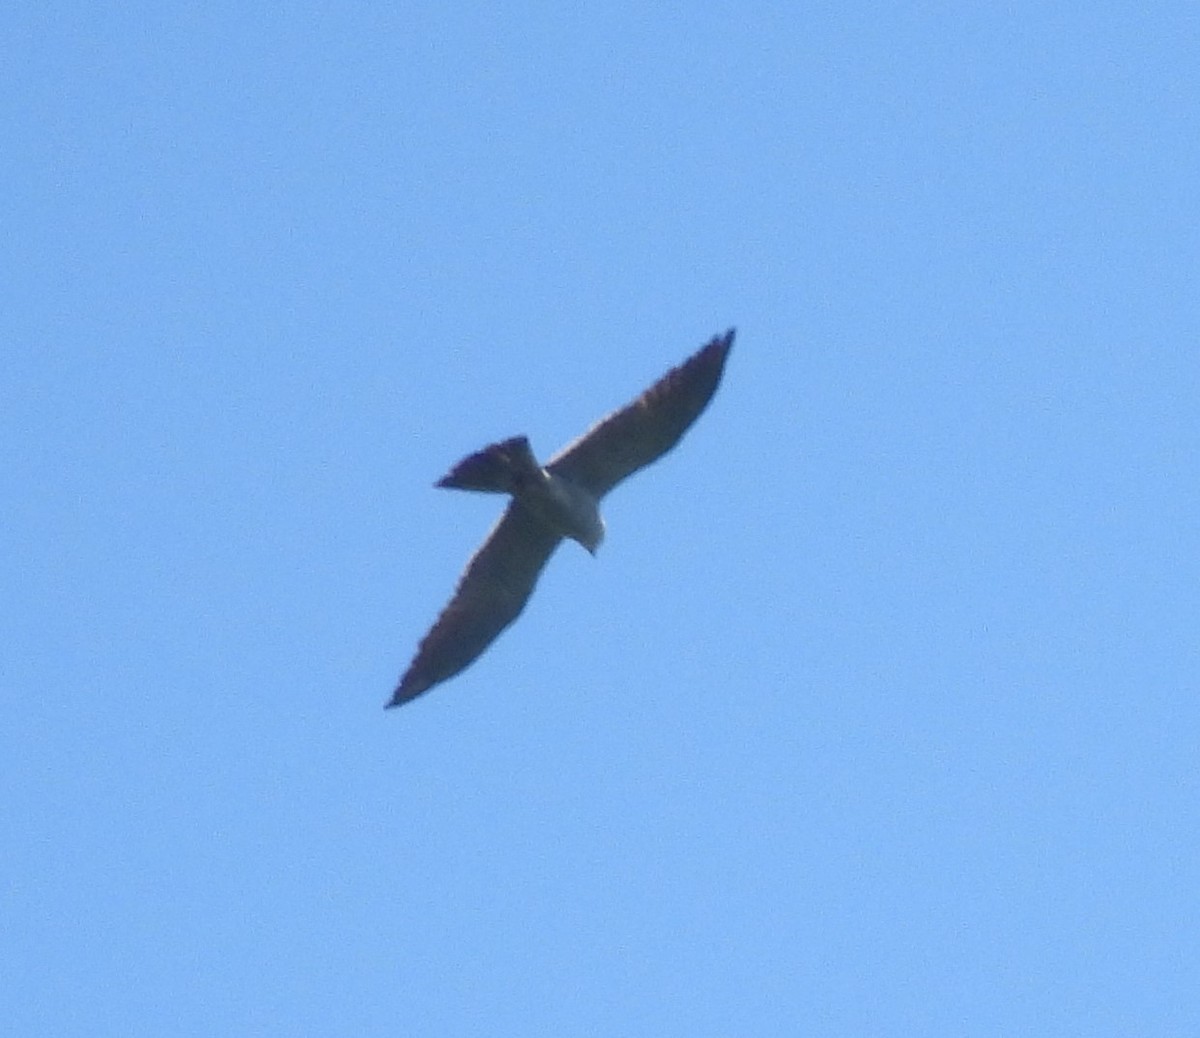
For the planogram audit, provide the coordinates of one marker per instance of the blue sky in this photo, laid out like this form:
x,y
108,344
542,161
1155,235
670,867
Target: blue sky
x,y
877,712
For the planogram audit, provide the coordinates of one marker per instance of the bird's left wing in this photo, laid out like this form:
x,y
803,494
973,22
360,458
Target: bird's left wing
x,y
646,429
490,595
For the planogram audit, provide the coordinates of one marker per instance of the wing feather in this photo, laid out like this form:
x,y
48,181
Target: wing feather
x,y
643,431
490,595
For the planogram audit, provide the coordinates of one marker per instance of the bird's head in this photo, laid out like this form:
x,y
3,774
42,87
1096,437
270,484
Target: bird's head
x,y
592,537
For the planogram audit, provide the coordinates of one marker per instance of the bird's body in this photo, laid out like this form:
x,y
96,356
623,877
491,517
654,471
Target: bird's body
x,y
559,500
509,467
567,508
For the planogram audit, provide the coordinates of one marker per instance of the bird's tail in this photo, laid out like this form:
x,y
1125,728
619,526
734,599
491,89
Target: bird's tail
x,y
500,468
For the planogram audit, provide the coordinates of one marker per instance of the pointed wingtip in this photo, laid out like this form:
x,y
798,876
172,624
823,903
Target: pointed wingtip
x,y
408,690
716,351
401,696
718,345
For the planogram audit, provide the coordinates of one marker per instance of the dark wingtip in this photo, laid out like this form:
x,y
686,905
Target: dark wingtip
x,y
718,345
402,693
714,353
409,688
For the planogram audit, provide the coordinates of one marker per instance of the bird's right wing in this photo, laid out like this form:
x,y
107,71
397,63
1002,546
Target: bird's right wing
x,y
646,429
490,595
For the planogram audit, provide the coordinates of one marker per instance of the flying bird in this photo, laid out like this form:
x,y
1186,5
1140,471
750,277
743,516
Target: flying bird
x,y
548,503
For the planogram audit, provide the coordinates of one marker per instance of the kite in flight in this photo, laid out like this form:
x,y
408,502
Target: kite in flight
x,y
549,503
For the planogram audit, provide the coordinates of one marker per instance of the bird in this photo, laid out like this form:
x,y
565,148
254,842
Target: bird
x,y
548,504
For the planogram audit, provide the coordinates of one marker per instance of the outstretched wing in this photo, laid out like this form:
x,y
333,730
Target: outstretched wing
x,y
646,429
490,595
